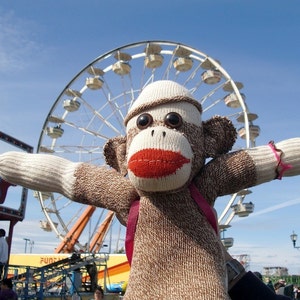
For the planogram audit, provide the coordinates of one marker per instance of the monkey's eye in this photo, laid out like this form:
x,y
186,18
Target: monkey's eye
x,y
173,120
144,120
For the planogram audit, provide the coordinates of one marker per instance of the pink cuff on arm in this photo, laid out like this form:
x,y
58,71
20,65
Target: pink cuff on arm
x,y
281,166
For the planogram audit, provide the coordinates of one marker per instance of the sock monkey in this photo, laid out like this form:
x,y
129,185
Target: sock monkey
x,y
177,253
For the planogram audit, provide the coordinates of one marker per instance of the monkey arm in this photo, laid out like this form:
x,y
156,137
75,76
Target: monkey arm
x,y
100,186
79,182
241,169
40,172
226,175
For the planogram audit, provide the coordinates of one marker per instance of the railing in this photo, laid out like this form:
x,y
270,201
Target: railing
x,y
62,278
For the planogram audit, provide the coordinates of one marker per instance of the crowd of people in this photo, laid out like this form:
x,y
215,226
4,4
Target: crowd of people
x,y
280,287
291,290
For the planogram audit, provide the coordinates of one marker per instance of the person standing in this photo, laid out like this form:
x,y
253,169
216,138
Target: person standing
x,y
98,294
3,253
270,284
297,292
7,291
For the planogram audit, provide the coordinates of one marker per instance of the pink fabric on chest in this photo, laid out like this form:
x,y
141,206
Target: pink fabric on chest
x,y
134,214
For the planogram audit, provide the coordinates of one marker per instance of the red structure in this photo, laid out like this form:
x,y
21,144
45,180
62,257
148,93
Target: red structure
x,y
12,215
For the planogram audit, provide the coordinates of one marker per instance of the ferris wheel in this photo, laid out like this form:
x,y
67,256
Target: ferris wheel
x,y
91,108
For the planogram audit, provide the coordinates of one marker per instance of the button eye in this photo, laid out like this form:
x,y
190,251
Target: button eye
x,y
173,120
144,120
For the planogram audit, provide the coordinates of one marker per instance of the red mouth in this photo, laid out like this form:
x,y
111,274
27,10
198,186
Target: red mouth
x,y
155,163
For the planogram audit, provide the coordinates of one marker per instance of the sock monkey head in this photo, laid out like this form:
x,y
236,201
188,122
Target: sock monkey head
x,y
166,141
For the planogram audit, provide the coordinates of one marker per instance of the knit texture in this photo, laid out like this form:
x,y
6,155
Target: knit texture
x,y
266,162
104,187
41,172
161,92
176,252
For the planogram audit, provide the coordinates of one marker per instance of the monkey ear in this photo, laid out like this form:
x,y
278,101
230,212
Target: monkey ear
x,y
115,154
219,134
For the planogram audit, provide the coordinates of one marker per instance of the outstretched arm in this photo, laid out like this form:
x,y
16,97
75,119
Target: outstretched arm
x,y
39,172
79,182
246,168
276,160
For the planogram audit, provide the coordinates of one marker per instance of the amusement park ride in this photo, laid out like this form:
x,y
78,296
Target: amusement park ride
x,y
91,108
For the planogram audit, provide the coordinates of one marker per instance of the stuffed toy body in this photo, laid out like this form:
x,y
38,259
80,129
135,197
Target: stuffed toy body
x,y
177,253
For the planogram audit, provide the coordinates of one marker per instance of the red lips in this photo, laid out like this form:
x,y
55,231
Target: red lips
x,y
155,163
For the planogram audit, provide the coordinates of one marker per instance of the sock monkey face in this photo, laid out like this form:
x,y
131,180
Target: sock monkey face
x,y
159,154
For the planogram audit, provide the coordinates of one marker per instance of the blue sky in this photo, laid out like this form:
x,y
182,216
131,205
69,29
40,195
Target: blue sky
x,y
44,44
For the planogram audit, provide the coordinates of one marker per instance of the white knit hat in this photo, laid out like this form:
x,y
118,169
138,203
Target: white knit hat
x,y
161,92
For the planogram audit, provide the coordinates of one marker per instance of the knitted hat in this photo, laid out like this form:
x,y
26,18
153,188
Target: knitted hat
x,y
161,92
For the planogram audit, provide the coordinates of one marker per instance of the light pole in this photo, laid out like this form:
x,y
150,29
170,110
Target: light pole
x,y
294,237
26,241
31,245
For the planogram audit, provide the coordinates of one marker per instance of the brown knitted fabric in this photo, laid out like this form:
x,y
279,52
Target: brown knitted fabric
x,y
226,175
177,254
176,251
146,106
102,187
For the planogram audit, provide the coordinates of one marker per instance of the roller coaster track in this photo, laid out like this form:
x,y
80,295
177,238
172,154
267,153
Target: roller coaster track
x,y
43,277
